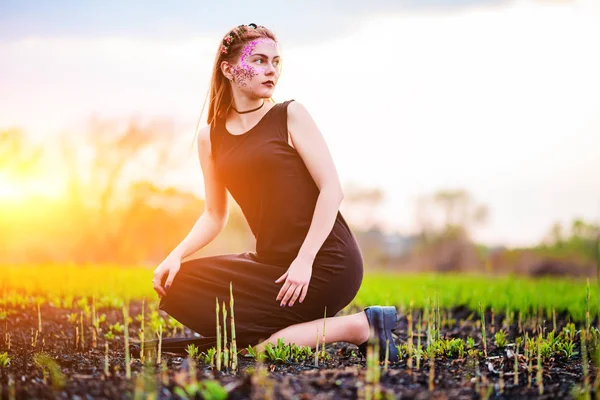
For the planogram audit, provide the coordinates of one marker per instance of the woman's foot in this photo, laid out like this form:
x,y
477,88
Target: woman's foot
x,y
382,319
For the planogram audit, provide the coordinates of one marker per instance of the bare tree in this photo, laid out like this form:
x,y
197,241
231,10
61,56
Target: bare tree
x,y
445,219
17,154
461,214
101,162
362,204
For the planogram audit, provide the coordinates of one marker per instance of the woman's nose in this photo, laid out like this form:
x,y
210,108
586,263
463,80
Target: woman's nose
x,y
270,69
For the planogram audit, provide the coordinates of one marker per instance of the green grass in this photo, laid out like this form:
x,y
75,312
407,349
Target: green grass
x,y
501,293
131,283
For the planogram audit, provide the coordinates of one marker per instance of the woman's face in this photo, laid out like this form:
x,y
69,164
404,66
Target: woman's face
x,y
258,68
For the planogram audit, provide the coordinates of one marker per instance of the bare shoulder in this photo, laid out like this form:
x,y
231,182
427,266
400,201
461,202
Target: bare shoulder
x,y
299,119
297,111
204,147
204,135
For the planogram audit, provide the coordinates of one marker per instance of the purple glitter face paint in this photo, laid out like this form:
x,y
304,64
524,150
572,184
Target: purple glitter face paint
x,y
244,72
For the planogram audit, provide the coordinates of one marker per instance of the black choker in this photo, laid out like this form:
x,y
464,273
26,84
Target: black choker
x,y
245,112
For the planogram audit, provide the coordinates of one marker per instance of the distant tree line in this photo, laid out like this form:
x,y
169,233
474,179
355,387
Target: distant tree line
x,y
114,210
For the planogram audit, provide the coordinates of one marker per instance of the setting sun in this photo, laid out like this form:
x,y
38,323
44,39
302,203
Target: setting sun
x,y
16,189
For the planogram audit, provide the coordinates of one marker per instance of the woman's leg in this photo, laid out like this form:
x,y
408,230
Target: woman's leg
x,y
347,328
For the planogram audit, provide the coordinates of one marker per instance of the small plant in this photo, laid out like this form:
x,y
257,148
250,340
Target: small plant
x,y
455,348
219,353
116,327
4,360
141,334
584,360
483,338
225,343
432,350
109,336
301,353
518,343
470,343
539,374
530,344
207,389
500,339
580,392
553,340
50,368
174,325
529,347
209,356
567,349
418,354
106,363
410,345
569,331
251,352
233,348
402,350
436,348
474,353
372,387
73,318
545,349
279,353
261,381
127,320
192,350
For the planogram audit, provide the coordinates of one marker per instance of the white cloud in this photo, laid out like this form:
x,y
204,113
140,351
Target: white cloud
x,y
500,101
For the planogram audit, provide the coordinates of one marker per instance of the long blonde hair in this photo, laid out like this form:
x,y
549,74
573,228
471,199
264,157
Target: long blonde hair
x,y
221,96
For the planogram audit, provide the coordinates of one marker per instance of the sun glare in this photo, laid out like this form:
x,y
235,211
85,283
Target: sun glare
x,y
16,189
9,191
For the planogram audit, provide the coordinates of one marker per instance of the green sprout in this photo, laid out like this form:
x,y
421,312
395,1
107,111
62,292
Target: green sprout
x,y
207,389
50,368
192,350
4,360
500,339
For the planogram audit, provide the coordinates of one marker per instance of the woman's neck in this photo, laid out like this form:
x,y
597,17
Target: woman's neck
x,y
245,104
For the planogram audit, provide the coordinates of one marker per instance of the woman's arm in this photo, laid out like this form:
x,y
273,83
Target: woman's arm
x,y
311,146
215,215
313,150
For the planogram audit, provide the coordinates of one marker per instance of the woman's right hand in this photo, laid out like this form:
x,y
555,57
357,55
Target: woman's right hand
x,y
169,268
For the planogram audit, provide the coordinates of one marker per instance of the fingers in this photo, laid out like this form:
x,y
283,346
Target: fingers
x,y
281,277
158,289
296,294
289,293
157,283
303,295
172,273
283,290
293,288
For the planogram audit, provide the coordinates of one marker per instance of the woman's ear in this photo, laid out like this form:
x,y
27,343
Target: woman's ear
x,y
226,70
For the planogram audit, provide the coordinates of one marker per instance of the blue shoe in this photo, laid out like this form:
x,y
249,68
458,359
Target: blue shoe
x,y
382,319
135,350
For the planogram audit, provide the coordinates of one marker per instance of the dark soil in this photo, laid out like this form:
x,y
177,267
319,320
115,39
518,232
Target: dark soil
x,y
342,376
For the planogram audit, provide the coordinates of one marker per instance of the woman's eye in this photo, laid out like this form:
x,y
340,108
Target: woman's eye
x,y
260,61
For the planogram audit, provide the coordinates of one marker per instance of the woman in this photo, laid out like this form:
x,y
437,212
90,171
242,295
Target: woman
x,y
276,164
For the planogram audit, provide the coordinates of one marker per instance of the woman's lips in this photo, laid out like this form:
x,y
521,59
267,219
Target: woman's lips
x,y
269,84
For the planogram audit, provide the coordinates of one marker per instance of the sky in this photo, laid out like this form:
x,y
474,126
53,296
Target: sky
x,y
499,98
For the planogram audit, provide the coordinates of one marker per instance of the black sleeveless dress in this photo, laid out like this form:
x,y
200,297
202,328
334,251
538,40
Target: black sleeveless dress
x,y
270,182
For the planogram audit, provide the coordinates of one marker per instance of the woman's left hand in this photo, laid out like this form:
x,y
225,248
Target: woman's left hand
x,y
297,278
